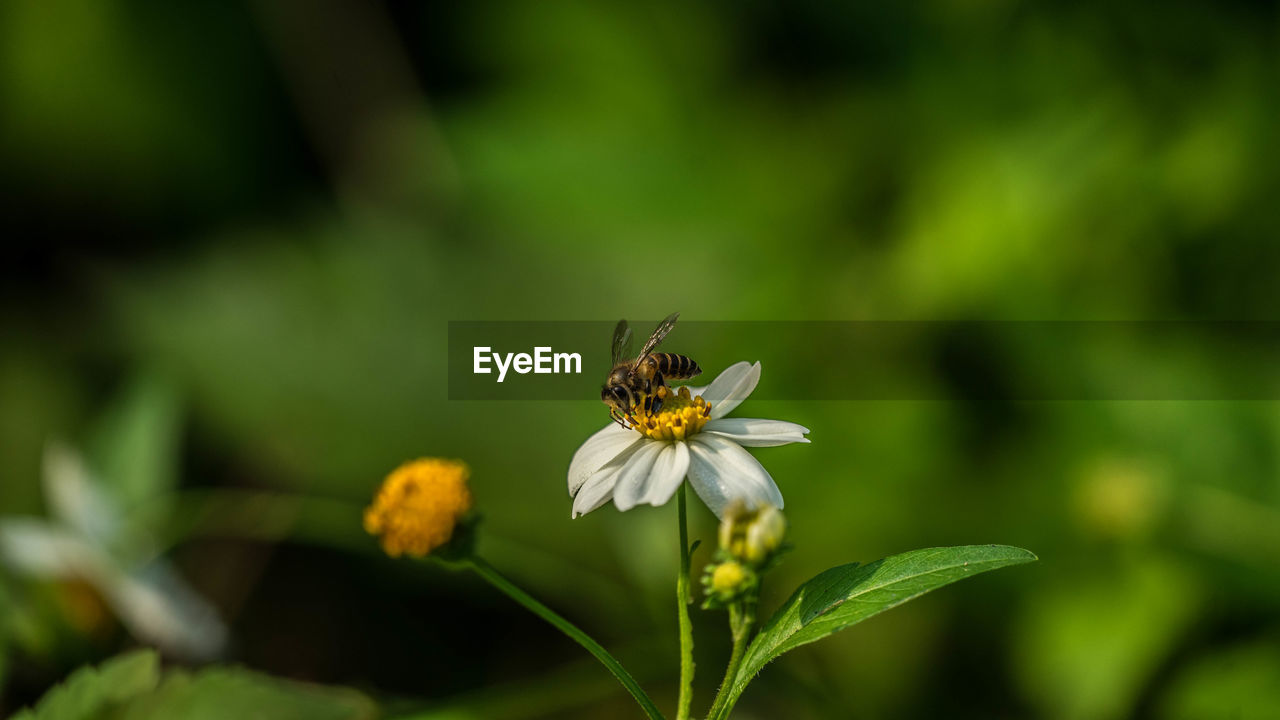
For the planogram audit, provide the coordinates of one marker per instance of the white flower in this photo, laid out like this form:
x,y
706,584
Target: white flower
x,y
84,541
646,464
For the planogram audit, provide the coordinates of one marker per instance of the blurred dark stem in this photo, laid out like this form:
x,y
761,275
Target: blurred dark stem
x,y
1229,525
272,516
496,579
356,93
543,695
254,515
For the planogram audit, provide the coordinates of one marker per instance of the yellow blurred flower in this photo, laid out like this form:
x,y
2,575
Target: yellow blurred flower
x,y
1119,498
419,505
752,534
84,607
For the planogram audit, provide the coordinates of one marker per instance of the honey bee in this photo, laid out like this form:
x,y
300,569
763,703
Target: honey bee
x,y
639,382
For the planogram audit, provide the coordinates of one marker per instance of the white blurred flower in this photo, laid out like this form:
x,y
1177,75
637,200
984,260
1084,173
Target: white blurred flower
x,y
83,542
690,437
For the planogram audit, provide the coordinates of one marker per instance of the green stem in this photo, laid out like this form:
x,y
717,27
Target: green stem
x,y
740,620
682,613
487,571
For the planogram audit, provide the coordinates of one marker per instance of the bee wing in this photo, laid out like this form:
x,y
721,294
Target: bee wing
x,y
621,342
659,332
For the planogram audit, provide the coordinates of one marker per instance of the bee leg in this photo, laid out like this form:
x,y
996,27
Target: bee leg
x,y
617,417
658,394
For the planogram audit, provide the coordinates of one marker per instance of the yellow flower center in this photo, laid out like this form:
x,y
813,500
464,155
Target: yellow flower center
x,y
418,506
681,416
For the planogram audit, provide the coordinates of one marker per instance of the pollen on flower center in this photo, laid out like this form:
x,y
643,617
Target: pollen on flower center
x,y
681,416
418,505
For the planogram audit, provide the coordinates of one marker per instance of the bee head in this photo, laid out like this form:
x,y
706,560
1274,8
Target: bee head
x,y
616,396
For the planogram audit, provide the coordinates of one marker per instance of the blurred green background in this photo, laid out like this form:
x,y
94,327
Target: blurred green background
x,y
235,234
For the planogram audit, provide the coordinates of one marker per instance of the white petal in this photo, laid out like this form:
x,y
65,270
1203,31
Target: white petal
x,y
731,387
667,474
599,450
38,548
721,472
75,498
706,481
596,491
155,604
727,378
158,607
755,432
633,479
598,488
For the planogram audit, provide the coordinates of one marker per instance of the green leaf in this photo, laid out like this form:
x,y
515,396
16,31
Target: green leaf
x,y
848,594
133,449
1241,683
1088,647
130,687
230,693
91,692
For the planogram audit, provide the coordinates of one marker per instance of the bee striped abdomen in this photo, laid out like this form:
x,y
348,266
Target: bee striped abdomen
x,y
676,367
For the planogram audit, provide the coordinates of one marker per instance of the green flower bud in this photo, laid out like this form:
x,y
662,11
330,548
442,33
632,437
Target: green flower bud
x,y
727,578
727,581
